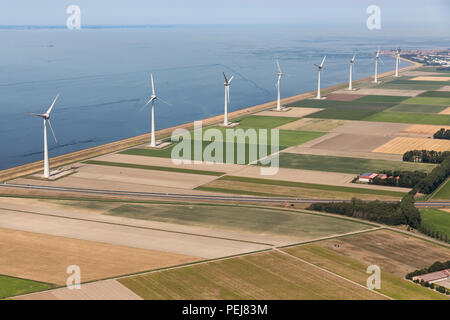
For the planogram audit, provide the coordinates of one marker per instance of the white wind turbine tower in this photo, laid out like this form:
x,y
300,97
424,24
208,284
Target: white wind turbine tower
x,y
319,67
350,82
280,74
46,117
377,57
152,100
397,62
227,98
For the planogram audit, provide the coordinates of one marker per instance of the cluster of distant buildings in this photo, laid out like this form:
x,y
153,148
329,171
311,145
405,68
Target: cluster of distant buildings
x,y
368,177
439,58
434,276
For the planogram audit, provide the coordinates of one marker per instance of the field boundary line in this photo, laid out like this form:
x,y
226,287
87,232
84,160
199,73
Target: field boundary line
x,y
442,185
332,273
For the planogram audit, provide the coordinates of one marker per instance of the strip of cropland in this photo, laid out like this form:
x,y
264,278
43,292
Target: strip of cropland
x,y
353,265
444,192
270,275
12,286
250,186
414,118
346,164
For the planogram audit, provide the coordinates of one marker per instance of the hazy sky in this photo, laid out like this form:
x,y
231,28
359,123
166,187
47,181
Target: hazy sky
x,y
424,15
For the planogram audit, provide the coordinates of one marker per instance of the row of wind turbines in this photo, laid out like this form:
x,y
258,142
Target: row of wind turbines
x,y
153,98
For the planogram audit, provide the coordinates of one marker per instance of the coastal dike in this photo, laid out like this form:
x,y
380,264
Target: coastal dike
x,y
77,156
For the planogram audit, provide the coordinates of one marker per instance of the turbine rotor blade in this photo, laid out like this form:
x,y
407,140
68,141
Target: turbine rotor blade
x,y
231,79
226,80
148,102
37,115
323,61
52,105
53,132
278,66
153,84
163,101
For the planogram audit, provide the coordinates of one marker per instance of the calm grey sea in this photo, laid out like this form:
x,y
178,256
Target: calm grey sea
x,y
102,75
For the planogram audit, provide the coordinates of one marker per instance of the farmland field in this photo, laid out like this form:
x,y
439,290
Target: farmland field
x,y
11,286
435,94
444,192
271,275
257,220
417,108
392,286
400,145
436,220
346,164
413,118
265,187
315,125
375,99
434,101
263,121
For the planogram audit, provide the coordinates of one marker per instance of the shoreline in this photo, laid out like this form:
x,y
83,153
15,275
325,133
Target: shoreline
x,y
84,154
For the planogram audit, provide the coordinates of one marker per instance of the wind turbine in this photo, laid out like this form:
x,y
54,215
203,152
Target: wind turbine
x,y
350,82
377,57
227,98
46,117
280,74
397,62
319,67
152,100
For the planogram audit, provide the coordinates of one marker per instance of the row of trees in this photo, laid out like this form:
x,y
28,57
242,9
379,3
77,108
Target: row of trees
x,y
407,179
442,134
396,213
432,181
436,287
434,234
425,156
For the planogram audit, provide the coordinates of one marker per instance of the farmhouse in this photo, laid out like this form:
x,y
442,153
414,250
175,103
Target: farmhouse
x,y
434,276
367,177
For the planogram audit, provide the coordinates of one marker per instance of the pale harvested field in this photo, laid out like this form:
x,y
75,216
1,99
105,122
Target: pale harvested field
x,y
125,235
384,92
353,142
99,211
142,177
45,258
316,177
446,111
400,145
444,88
430,78
383,129
393,252
344,96
166,162
311,124
423,129
292,112
100,290
413,73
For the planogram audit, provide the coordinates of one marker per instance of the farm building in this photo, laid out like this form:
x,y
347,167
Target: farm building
x,y
367,177
434,276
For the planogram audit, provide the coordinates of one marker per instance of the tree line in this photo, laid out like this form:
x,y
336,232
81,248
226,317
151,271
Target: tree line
x,y
425,156
406,179
442,134
437,266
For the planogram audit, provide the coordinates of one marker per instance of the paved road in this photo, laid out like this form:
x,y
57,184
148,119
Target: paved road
x,y
183,196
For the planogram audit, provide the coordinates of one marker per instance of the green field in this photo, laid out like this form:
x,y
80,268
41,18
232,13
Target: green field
x,y
269,275
11,286
370,98
436,220
412,85
413,118
263,121
416,82
417,108
444,192
346,164
156,168
391,285
436,94
256,220
433,101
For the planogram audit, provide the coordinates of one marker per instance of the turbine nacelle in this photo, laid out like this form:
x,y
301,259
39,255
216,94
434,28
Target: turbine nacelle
x,y
320,66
